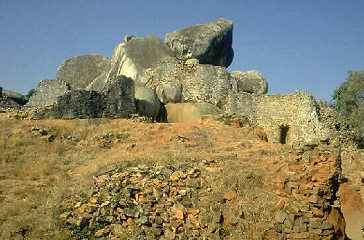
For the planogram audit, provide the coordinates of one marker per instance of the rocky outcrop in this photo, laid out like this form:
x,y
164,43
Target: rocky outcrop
x,y
16,97
147,103
119,97
5,101
200,82
138,55
48,92
98,84
190,112
80,71
251,82
210,43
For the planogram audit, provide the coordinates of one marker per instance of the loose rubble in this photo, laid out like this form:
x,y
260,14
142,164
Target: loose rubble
x,y
148,202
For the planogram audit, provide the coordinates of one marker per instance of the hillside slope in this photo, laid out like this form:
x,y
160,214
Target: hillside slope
x,y
59,179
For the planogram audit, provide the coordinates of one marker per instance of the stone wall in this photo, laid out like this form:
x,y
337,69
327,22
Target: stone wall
x,y
200,82
286,118
119,97
309,206
76,104
47,92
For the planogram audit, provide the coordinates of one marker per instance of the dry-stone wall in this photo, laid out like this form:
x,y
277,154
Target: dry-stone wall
x,y
286,118
119,97
117,100
76,104
47,92
309,206
200,82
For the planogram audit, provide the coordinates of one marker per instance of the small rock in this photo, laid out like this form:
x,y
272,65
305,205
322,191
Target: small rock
x,y
102,232
233,220
230,195
217,217
168,234
216,198
157,231
64,216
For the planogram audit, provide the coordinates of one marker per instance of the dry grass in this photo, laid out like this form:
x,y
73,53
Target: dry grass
x,y
35,174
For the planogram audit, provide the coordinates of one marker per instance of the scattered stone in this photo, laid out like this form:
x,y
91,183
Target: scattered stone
x,y
230,195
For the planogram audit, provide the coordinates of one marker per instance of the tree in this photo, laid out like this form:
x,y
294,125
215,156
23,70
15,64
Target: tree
x,y
31,92
348,100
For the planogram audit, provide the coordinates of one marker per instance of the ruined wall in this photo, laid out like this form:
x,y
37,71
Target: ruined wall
x,y
47,92
200,82
286,118
309,206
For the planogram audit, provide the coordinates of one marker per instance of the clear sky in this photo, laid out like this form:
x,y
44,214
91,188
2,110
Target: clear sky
x,y
297,45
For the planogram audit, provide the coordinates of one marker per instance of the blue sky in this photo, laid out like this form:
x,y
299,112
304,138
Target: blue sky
x,y
297,45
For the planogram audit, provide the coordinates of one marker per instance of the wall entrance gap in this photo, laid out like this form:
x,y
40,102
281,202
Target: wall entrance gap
x,y
283,134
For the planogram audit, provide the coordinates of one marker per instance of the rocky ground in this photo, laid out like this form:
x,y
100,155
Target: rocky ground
x,y
214,179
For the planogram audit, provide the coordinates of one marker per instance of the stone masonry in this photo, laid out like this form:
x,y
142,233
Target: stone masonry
x,y
286,118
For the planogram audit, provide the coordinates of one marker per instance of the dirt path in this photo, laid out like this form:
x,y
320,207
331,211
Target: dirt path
x,y
354,220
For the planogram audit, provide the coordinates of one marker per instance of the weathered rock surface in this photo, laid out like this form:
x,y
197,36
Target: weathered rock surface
x,y
169,92
210,43
138,55
47,92
119,96
200,82
147,102
190,112
98,83
80,71
251,82
5,101
16,97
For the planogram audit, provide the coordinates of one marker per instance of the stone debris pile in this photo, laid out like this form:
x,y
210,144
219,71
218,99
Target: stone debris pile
x,y
144,202
309,205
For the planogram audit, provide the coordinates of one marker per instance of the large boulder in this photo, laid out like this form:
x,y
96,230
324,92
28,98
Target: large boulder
x,y
98,84
250,81
147,102
80,71
169,92
190,112
48,92
119,96
211,43
16,97
137,56
200,82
